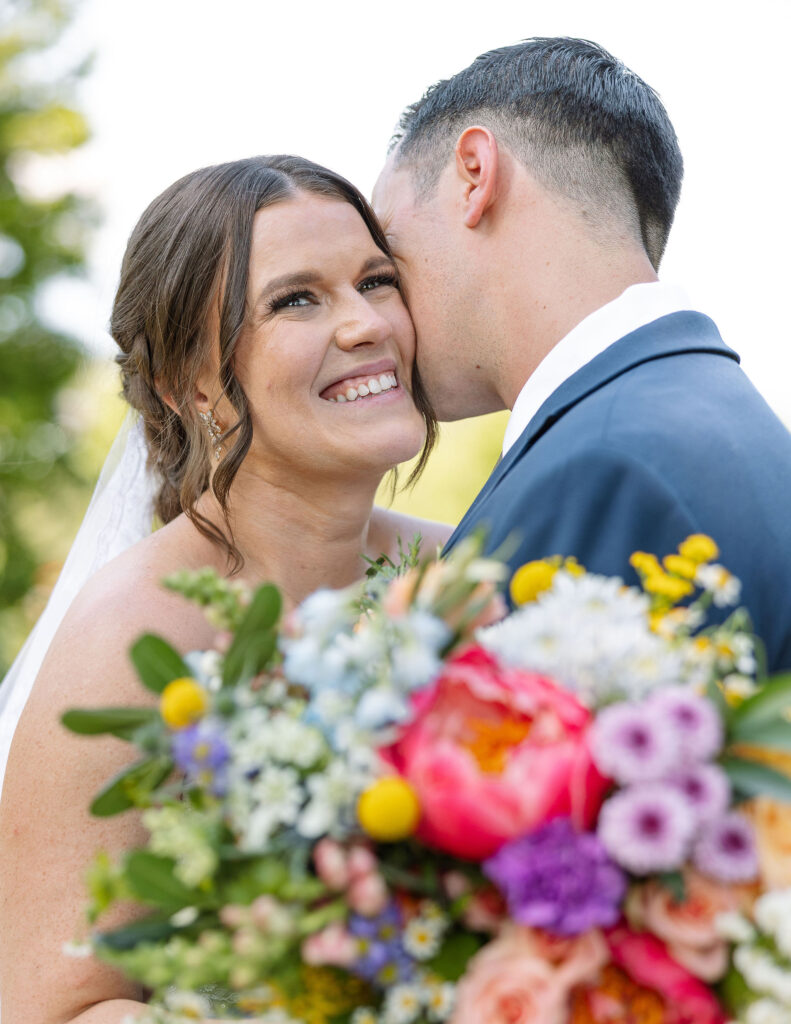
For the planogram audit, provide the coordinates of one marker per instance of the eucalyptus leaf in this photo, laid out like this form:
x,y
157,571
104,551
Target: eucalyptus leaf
x,y
121,722
773,734
770,703
152,879
750,778
256,640
130,787
157,663
149,930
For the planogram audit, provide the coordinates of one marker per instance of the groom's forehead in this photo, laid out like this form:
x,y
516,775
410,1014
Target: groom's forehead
x,y
393,193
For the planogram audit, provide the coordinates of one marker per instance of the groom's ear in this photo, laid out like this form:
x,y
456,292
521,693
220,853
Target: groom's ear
x,y
477,164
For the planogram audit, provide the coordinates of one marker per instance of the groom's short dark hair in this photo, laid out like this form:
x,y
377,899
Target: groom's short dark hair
x,y
584,124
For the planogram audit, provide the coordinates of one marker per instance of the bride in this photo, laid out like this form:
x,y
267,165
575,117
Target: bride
x,y
270,356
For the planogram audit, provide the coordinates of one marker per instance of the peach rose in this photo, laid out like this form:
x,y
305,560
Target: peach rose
x,y
512,981
772,823
687,928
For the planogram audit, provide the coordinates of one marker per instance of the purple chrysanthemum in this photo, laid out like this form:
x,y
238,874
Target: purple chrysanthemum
x,y
647,828
629,744
558,879
201,752
695,720
706,789
725,850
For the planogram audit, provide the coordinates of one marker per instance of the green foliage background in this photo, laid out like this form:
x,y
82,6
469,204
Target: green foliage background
x,y
39,239
58,407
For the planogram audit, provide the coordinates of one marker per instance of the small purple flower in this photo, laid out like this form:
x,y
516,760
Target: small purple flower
x,y
706,789
725,850
558,879
630,744
647,828
201,752
696,721
381,960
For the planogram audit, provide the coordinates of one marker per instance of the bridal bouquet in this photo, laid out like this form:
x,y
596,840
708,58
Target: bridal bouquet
x,y
401,805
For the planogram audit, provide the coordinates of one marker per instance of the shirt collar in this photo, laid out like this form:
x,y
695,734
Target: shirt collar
x,y
640,304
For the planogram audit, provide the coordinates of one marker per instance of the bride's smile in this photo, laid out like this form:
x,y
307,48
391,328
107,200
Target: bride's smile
x,y
326,353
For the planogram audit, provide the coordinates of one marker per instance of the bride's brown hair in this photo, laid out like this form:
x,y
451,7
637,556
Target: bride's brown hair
x,y
190,249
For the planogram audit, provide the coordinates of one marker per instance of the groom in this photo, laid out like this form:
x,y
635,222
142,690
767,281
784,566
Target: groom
x,y
528,201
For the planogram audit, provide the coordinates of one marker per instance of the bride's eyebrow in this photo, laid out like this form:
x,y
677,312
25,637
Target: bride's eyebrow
x,y
301,280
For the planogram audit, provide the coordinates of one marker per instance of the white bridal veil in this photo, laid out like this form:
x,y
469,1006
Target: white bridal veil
x,y
120,514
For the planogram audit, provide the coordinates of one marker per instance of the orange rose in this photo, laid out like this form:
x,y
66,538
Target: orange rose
x,y
520,978
772,823
687,928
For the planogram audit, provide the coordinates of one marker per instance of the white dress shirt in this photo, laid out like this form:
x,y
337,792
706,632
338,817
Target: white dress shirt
x,y
640,304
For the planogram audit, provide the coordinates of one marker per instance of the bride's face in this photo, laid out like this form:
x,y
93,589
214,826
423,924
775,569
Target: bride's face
x,y
327,351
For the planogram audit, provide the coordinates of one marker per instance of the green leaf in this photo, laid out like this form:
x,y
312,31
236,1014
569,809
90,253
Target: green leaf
x,y
749,778
131,786
156,662
770,703
775,735
256,640
121,722
673,881
149,930
451,961
152,880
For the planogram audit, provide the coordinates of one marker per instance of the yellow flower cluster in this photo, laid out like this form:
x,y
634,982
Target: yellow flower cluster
x,y
534,578
671,580
325,994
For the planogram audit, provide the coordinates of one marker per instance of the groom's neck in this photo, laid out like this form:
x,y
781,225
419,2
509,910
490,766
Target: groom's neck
x,y
559,272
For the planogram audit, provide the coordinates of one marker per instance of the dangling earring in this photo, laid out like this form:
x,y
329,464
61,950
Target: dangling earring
x,y
214,431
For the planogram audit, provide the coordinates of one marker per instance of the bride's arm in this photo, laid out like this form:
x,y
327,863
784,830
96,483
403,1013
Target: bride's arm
x,y
47,836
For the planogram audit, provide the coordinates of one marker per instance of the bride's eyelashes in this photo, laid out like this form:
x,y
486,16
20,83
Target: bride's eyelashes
x,y
300,298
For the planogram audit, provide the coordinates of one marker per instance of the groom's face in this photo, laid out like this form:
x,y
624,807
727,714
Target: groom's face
x,y
427,254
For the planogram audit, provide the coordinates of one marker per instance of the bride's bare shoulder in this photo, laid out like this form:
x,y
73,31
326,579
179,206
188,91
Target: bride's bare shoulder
x,y
120,602
392,526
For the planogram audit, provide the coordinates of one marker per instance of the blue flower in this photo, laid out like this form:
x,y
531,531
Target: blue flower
x,y
201,752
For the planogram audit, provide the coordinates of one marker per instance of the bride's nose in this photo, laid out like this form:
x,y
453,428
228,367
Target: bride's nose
x,y
361,324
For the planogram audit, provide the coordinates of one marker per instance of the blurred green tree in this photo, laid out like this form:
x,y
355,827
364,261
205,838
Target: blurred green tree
x,y
40,239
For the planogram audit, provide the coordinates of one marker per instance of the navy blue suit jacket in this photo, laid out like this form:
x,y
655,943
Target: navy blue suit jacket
x,y
660,436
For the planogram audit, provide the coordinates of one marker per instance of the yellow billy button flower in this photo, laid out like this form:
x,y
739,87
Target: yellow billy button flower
x,y
389,809
530,580
698,548
183,702
680,566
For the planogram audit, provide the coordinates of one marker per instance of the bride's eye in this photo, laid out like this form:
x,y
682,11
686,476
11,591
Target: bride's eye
x,y
378,281
289,300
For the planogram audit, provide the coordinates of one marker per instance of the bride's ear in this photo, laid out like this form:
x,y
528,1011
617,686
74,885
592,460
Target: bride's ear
x,y
477,164
166,396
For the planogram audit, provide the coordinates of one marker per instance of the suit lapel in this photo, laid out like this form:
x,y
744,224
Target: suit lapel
x,y
668,336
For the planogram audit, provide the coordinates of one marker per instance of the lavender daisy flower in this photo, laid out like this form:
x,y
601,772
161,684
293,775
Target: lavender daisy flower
x,y
201,752
694,718
558,879
725,850
706,789
629,744
647,828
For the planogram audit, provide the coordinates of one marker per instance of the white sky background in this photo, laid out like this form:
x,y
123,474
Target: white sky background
x,y
178,84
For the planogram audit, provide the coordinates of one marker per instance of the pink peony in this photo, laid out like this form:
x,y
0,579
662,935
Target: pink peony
x,y
648,963
518,979
494,752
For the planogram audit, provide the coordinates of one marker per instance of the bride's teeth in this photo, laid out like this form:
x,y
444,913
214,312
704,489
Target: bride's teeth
x,y
374,386
340,398
351,394
363,391
384,381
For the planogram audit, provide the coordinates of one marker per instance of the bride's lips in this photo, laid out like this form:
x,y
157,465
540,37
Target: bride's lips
x,y
373,380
